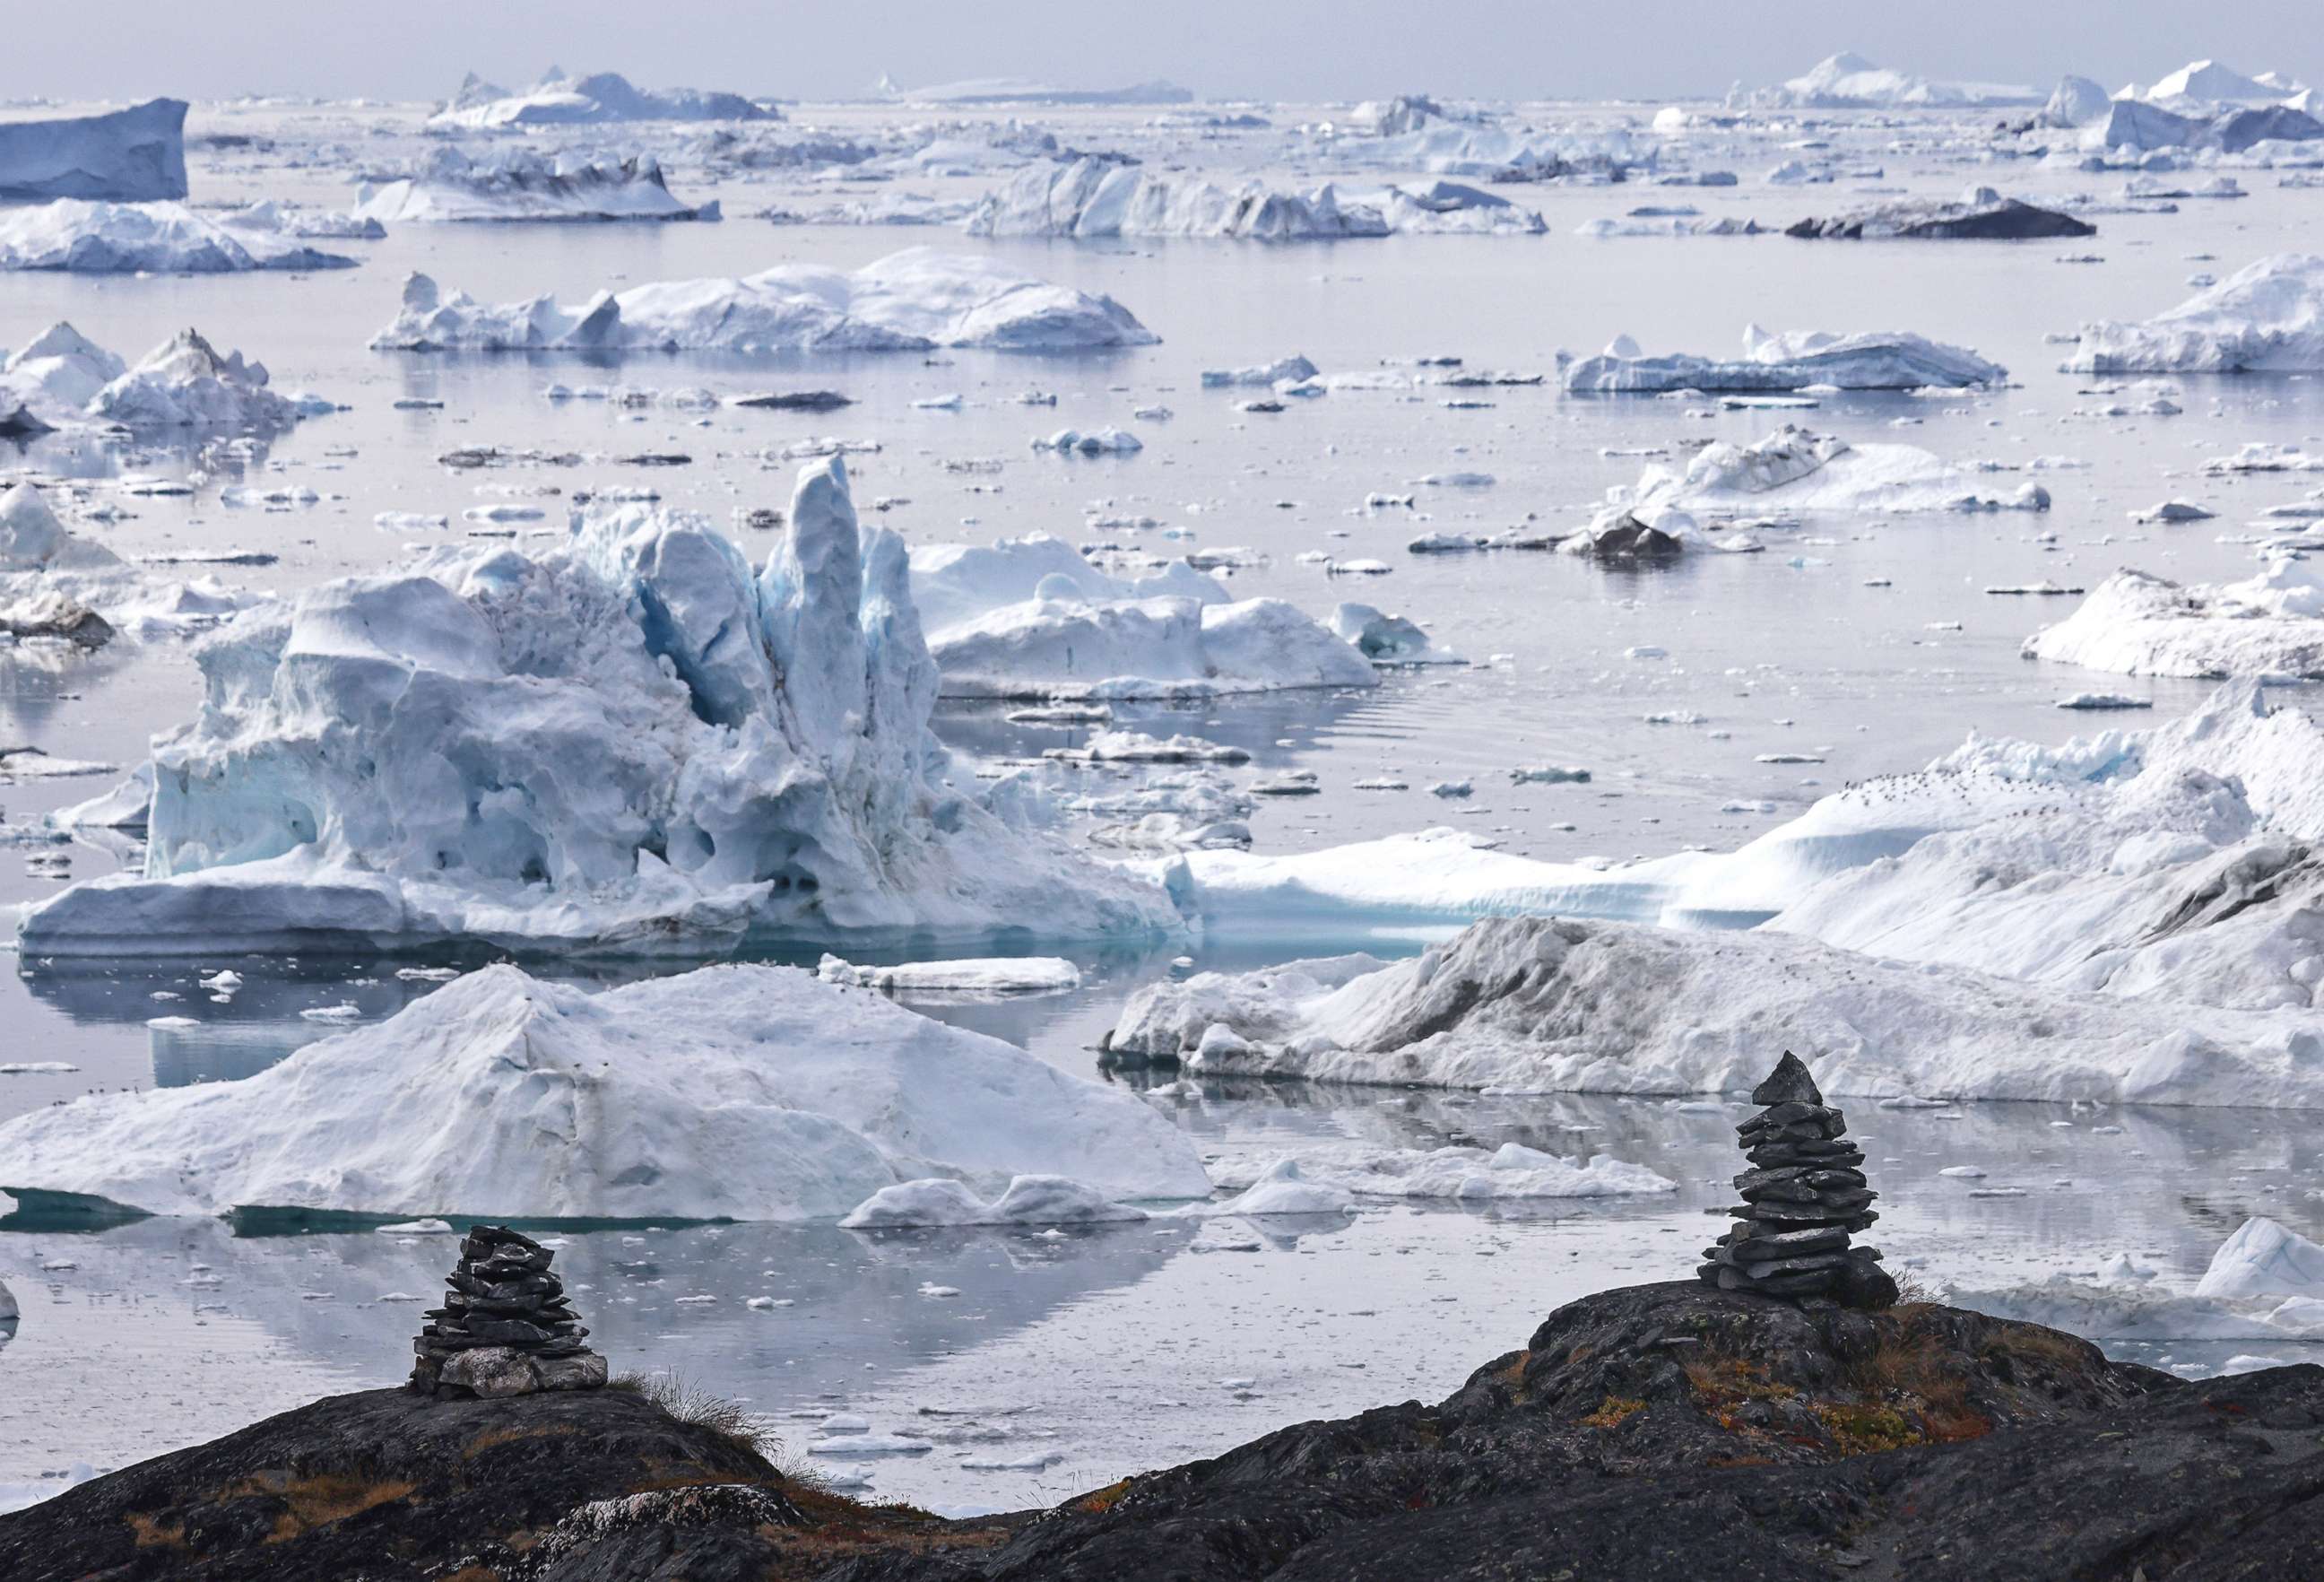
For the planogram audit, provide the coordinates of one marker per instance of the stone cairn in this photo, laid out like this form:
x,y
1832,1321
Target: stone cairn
x,y
506,1328
1804,1192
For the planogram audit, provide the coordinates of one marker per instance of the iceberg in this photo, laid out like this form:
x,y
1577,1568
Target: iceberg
x,y
54,582
1542,1005
524,185
2075,102
2137,624
750,1093
137,155
1095,198
1792,472
2212,82
955,584
2267,317
1981,214
96,237
630,742
1848,81
1003,91
558,100
913,300
1872,360
67,380
2264,1258
943,1203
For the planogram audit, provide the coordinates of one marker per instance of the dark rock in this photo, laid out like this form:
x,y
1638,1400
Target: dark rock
x,y
506,1328
1788,1084
1629,539
1984,216
798,401
1799,1208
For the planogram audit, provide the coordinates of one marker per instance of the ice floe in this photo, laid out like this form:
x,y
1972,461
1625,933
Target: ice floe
x,y
912,300
632,741
1870,360
137,155
81,236
748,1093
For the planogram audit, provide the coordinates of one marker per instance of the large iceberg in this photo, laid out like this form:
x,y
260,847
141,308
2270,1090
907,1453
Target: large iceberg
x,y
1870,360
558,100
1532,1003
62,379
1849,82
2267,317
1093,198
2136,624
913,300
137,155
2212,82
1792,472
1032,618
86,238
631,742
752,1093
521,184
1979,215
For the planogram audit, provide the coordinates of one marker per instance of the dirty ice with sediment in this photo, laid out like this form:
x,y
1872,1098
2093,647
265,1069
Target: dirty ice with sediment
x,y
947,725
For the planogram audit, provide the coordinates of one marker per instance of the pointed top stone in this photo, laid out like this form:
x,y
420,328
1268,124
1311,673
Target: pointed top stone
x,y
1788,1083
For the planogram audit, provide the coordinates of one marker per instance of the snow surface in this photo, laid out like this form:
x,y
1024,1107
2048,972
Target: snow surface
x,y
94,237
750,1093
137,155
2139,625
2267,317
1095,198
913,300
632,741
521,184
1873,360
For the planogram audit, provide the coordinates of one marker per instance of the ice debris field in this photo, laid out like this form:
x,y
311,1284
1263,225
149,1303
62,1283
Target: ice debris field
x,y
944,723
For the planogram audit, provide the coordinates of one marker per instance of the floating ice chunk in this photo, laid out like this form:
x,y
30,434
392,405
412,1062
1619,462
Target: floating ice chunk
x,y
2266,317
522,184
978,978
558,100
155,238
757,749
1877,360
186,383
745,1092
1142,647
1105,442
1282,1188
1385,639
32,538
1100,198
913,300
2264,1258
1026,1200
1292,369
2139,625
137,155
1792,471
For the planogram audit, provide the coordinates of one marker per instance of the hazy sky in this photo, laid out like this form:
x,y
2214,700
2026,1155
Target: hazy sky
x,y
1287,49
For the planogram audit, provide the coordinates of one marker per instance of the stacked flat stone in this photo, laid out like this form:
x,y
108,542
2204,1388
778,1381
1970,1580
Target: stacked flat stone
x,y
506,1328
1804,1196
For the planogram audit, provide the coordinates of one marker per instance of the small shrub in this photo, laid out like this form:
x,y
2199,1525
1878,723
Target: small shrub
x,y
1614,1411
703,1408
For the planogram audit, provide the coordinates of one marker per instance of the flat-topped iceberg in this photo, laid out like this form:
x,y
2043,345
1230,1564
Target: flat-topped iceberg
x,y
1093,198
1979,215
1007,90
2268,317
2210,82
1871,360
521,184
631,742
913,300
137,155
85,237
558,100
2137,624
1848,81
1792,472
1532,1003
752,1093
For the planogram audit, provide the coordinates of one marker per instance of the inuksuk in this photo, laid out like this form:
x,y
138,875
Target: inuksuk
x,y
506,1328
1804,1193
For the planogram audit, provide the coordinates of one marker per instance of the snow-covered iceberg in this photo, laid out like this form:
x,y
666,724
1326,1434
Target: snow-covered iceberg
x,y
913,300
752,1093
54,582
521,184
137,155
65,379
1792,472
1093,198
632,742
1848,81
1871,360
558,100
1534,1003
2137,624
2267,317
96,237
2211,82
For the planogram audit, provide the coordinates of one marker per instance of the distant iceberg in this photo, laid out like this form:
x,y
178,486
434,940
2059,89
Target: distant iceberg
x,y
1850,82
1005,90
749,1093
137,155
632,742
1792,472
1872,360
2212,82
2267,317
521,184
913,300
1979,215
558,100
64,379
1093,198
82,237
